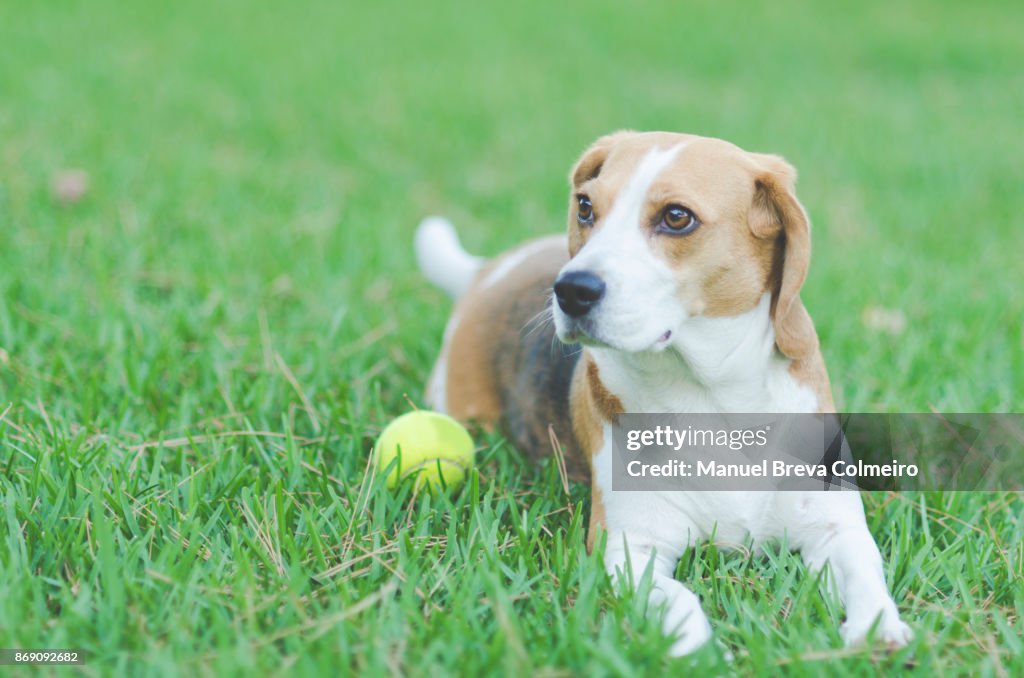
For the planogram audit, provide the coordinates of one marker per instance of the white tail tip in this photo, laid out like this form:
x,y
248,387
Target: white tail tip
x,y
441,257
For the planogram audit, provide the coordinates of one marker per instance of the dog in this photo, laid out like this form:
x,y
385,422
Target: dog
x,y
680,279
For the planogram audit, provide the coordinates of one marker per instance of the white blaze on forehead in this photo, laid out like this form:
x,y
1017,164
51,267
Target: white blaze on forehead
x,y
630,202
619,234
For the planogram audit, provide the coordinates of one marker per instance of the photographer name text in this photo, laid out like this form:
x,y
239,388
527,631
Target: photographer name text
x,y
765,468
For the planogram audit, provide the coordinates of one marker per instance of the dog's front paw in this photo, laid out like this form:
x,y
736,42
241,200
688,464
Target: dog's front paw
x,y
690,636
890,631
683,621
689,626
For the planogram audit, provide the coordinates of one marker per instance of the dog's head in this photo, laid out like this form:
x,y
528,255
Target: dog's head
x,y
665,227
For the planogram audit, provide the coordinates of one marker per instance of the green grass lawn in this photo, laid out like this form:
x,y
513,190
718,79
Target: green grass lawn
x,y
196,358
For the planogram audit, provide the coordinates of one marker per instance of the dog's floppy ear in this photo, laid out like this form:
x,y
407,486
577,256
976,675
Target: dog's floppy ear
x,y
586,168
776,213
590,163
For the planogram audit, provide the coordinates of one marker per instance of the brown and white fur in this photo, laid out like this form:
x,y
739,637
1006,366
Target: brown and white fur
x,y
706,320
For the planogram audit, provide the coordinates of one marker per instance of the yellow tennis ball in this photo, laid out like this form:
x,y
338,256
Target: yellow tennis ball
x,y
431,445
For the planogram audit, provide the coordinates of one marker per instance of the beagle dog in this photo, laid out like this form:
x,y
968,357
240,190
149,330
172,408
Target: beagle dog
x,y
680,280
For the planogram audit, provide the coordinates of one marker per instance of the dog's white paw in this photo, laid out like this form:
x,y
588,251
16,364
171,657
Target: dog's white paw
x,y
690,633
684,621
891,631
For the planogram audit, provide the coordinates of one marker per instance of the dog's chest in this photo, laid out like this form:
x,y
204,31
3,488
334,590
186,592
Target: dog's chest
x,y
677,519
730,518
664,385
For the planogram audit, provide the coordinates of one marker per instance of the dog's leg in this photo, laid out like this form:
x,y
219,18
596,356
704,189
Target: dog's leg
x,y
643,529
683,620
855,569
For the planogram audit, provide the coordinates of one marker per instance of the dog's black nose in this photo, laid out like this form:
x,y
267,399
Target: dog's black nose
x,y
578,292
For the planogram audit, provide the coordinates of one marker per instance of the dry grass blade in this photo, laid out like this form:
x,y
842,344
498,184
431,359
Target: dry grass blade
x,y
559,453
306,404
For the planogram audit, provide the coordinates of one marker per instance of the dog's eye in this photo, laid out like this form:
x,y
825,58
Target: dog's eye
x,y
677,220
584,210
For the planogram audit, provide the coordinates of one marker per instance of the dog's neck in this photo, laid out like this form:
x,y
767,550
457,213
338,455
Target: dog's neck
x,y
712,365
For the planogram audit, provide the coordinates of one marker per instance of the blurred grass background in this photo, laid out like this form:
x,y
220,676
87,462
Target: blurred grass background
x,y
238,283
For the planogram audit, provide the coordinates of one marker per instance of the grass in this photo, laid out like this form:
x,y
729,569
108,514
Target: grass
x,y
196,358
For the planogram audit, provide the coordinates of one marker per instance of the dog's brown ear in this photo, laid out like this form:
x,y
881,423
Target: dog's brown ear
x,y
776,213
586,168
590,163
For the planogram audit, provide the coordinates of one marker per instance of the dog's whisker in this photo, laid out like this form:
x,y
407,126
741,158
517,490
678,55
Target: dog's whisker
x,y
577,349
538,317
555,342
543,319
538,328
561,346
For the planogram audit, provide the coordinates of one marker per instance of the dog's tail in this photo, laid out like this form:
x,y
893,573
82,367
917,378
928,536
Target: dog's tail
x,y
441,257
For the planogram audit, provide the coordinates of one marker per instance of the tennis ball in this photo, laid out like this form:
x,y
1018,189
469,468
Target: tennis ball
x,y
431,445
